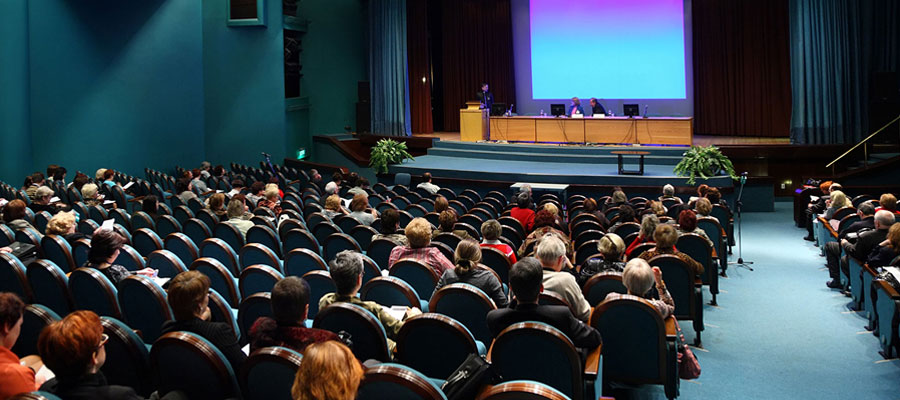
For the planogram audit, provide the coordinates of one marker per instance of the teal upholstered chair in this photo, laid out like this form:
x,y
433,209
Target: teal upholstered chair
x,y
366,331
403,383
127,357
417,339
189,363
268,374
144,306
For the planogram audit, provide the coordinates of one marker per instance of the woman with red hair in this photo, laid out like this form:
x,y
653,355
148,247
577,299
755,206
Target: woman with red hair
x,y
687,223
328,371
16,376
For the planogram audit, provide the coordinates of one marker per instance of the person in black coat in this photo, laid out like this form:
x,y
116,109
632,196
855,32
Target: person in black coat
x,y
525,280
485,97
866,212
188,295
864,245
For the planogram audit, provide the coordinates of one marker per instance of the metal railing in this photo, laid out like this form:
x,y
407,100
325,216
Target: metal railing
x,y
863,143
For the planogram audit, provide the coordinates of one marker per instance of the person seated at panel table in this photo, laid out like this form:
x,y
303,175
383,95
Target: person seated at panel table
x,y
525,283
286,327
575,107
596,107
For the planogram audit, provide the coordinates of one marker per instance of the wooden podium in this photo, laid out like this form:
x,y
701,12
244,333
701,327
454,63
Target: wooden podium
x,y
474,122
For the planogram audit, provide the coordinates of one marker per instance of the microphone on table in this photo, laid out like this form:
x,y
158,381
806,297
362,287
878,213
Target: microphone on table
x,y
645,110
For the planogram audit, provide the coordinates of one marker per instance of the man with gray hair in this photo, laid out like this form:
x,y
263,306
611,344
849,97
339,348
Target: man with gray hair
x,y
863,246
668,193
347,272
551,252
866,212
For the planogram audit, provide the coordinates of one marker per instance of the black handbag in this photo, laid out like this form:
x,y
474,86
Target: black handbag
x,y
26,253
465,382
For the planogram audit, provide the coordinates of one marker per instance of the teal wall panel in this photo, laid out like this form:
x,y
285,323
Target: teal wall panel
x,y
16,160
116,84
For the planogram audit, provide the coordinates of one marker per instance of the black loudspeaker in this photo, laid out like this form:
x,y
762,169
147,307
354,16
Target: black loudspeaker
x,y
363,117
363,92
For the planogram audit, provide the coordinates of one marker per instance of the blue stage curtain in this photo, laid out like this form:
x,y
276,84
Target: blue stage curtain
x,y
836,47
388,69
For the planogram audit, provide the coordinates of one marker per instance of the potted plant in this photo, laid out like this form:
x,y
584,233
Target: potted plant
x,y
704,162
387,152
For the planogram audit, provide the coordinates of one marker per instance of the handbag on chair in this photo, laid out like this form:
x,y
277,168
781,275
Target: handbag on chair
x,y
688,366
471,375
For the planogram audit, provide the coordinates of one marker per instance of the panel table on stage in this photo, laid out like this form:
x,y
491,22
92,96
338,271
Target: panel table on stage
x,y
655,130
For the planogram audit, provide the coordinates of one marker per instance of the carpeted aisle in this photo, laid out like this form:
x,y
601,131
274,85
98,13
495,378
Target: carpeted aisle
x,y
779,333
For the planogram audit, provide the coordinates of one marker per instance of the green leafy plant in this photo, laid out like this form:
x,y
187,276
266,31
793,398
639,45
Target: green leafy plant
x,y
704,162
387,152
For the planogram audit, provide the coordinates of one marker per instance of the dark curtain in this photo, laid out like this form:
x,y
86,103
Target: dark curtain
x,y
419,66
742,81
476,46
388,67
837,47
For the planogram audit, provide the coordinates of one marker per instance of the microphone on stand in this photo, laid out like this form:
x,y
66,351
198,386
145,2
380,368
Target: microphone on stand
x,y
645,110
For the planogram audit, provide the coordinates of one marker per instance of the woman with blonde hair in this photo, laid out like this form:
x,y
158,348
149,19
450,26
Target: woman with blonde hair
x,y
838,201
63,224
612,247
645,235
333,206
468,270
328,371
272,200
90,195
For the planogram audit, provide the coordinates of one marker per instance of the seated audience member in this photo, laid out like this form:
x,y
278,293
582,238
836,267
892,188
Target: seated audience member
x,y
329,371
612,247
468,270
188,295
362,184
491,231
447,220
333,206
63,224
235,213
866,212
525,279
352,180
639,278
704,208
74,350
59,174
358,207
544,225
219,173
98,176
272,200
590,207
656,208
390,228
687,223
551,252
184,189
41,202
618,199
16,376
287,327
669,193
645,235
14,215
216,204
91,195
888,202
79,181
554,211
150,205
257,193
838,201
418,233
427,185
51,172
346,271
203,170
864,245
31,185
105,247
816,207
715,198
108,176
523,212
665,237
886,250
236,187
197,180
274,181
441,204
316,178
626,214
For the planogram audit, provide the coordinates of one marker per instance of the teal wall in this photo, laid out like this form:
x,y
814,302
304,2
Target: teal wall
x,y
334,59
116,84
16,160
243,74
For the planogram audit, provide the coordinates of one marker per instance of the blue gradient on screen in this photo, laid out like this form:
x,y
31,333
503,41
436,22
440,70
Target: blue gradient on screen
x,y
612,49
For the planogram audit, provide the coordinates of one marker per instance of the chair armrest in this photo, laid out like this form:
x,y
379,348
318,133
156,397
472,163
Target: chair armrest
x,y
714,253
671,330
867,268
888,289
135,200
592,363
490,349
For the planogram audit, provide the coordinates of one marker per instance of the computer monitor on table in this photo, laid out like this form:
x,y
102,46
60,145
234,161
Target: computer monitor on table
x,y
498,109
631,110
557,110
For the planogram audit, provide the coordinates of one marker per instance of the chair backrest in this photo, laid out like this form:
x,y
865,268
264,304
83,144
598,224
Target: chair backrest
x,y
323,230
91,290
182,214
35,318
230,234
337,242
146,241
140,220
166,263
300,239
197,230
127,357
144,306
13,276
223,252
255,253
843,212
166,224
539,352
130,258
252,307
363,235
80,250
40,220
497,261
300,261
121,217
418,275
268,374
50,286
403,383
679,280
522,390
257,279
30,236
380,251
320,284
182,246
447,238
417,344
467,304
7,236
221,311
366,331
390,291
220,279
699,249
634,341
346,222
188,362
97,213
208,217
602,284
640,249
265,236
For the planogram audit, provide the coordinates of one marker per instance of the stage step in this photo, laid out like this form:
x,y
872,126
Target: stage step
x,y
671,151
587,158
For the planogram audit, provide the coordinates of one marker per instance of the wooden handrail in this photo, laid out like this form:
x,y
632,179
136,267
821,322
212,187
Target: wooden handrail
x,y
861,142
